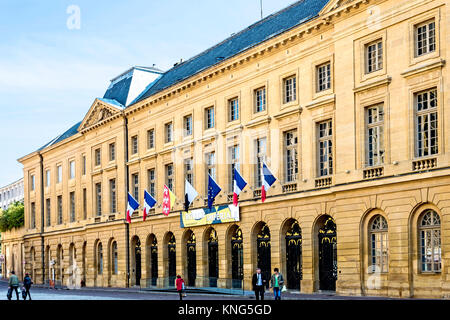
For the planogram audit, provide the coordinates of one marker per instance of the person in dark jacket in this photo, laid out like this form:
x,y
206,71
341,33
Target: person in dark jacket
x,y
276,283
27,285
259,284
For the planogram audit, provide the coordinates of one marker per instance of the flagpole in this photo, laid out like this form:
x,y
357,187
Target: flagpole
x,y
127,225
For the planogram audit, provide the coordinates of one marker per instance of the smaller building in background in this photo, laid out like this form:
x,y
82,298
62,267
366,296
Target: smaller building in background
x,y
11,193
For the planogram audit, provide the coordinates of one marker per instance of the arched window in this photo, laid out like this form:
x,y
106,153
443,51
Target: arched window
x,y
100,258
430,241
114,258
379,244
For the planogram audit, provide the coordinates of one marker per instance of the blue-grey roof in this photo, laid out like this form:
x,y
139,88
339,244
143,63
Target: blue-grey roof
x,y
69,133
119,91
273,25
112,102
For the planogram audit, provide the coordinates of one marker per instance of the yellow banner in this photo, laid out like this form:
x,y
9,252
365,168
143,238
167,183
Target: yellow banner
x,y
201,217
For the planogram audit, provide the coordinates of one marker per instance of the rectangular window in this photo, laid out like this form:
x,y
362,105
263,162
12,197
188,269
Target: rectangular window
x,y
84,166
112,152
134,145
152,182
60,210
375,136
233,109
169,132
150,139
59,174
135,182
425,38
84,204
325,146
33,215
323,77
112,196
169,176
189,170
260,100
72,207
233,154
98,157
48,212
290,89
72,169
426,123
260,148
374,56
98,193
187,122
47,178
209,118
291,163
32,183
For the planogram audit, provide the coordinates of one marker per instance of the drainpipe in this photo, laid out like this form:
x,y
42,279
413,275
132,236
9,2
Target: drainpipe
x,y
127,183
41,163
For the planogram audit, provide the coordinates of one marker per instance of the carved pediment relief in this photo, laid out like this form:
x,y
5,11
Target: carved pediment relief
x,y
99,112
334,4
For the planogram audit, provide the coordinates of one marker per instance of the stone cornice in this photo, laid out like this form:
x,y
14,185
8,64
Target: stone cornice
x,y
380,82
423,67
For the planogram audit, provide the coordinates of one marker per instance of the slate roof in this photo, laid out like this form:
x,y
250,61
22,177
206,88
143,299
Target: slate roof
x,y
272,26
119,91
69,133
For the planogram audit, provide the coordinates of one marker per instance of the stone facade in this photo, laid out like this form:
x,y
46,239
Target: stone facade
x,y
401,187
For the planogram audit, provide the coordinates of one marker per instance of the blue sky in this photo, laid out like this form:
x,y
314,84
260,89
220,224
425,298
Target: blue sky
x,y
50,74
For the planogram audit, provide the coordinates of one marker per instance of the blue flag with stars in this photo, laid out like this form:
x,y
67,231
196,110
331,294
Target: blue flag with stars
x,y
213,191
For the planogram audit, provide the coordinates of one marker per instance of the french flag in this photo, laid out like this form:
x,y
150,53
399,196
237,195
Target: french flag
x,y
239,185
132,206
268,179
149,203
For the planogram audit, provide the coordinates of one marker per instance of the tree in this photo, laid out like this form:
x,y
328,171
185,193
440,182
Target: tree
x,y
13,217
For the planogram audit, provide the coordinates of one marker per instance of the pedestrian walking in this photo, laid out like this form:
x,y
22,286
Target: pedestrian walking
x,y
276,283
13,284
179,283
259,284
27,282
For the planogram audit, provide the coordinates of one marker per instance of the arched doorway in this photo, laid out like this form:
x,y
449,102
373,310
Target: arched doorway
x,y
72,266
327,254
191,254
59,266
172,255
33,257
213,258
137,271
294,256
237,259
84,263
263,252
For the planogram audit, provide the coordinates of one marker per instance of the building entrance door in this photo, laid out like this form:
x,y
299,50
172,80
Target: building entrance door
x,y
191,260
237,259
328,256
137,259
294,256
172,260
264,256
154,264
213,258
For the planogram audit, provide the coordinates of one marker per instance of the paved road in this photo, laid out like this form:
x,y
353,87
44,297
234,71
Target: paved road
x,y
38,293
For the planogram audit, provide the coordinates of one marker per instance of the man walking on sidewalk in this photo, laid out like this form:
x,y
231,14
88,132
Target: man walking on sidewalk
x,y
27,285
13,284
259,283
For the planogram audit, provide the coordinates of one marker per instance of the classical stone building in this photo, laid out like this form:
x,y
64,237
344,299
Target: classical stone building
x,y
346,102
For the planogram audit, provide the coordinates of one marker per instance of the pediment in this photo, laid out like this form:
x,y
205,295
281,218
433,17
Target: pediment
x,y
99,112
333,4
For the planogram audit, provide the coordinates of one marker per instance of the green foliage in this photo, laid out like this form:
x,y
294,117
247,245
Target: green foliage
x,y
13,217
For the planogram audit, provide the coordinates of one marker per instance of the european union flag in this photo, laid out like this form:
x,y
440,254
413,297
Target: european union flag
x,y
213,191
